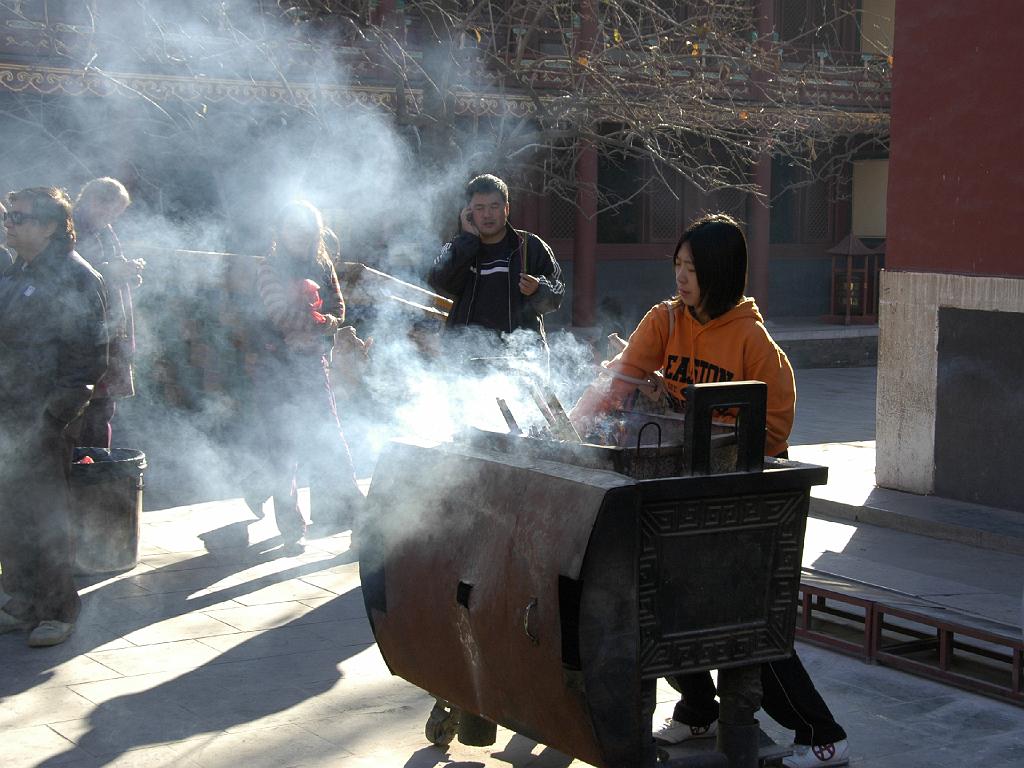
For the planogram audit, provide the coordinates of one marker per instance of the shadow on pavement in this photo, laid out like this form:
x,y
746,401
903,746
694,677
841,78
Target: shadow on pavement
x,y
230,691
124,605
518,753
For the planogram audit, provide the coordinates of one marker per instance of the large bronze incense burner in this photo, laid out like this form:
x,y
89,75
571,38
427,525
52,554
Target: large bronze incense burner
x,y
547,585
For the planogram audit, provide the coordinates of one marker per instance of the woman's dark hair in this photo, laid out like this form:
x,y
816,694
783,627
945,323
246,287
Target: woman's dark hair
x,y
51,204
720,259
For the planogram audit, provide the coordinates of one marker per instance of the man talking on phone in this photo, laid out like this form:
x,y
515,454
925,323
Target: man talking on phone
x,y
499,278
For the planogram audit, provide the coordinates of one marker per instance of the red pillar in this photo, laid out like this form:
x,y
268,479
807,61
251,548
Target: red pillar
x,y
584,264
765,33
381,14
584,252
759,232
758,235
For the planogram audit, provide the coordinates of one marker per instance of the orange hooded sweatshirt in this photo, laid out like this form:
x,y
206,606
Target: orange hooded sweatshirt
x,y
733,347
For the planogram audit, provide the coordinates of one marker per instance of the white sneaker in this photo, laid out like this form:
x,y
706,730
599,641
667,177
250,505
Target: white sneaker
x,y
50,632
675,732
821,755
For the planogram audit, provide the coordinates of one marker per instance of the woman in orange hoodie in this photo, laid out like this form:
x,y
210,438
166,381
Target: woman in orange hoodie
x,y
709,331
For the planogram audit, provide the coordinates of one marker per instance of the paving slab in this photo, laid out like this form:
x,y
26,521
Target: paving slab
x,y
161,657
149,757
23,668
41,706
30,746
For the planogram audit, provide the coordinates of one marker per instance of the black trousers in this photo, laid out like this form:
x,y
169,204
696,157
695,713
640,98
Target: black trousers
x,y
302,432
790,699
94,423
36,548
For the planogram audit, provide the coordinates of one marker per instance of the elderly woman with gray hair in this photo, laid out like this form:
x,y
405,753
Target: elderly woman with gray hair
x,y
100,202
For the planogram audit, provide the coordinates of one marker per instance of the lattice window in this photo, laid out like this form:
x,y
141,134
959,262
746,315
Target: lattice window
x,y
783,222
563,218
824,28
665,212
549,35
793,19
649,22
802,208
831,20
730,201
816,212
623,183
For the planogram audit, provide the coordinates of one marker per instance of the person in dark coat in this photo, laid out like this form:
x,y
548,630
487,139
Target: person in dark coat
x,y
100,202
53,351
6,257
299,308
498,277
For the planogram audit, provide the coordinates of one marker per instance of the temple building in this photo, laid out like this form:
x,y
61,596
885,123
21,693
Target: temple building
x,y
169,97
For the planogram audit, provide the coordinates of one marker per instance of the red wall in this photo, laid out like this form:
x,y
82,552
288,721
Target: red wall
x,y
956,168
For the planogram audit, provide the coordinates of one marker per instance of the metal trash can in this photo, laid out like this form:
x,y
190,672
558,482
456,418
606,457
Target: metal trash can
x,y
106,500
530,583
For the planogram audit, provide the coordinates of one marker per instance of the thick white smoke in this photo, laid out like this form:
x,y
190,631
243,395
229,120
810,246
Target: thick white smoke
x,y
208,173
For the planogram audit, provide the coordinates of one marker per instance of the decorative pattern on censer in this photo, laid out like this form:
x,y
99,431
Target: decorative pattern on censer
x,y
663,650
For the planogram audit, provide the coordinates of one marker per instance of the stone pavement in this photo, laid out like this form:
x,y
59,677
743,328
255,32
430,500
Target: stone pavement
x,y
220,651
835,426
964,556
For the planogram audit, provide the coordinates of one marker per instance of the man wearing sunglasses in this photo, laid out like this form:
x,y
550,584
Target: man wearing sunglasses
x,y
53,350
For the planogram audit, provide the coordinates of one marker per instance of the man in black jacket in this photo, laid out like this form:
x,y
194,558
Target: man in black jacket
x,y
498,277
53,350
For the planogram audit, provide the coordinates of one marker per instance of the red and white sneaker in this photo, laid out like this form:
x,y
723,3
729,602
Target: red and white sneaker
x,y
675,732
818,755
